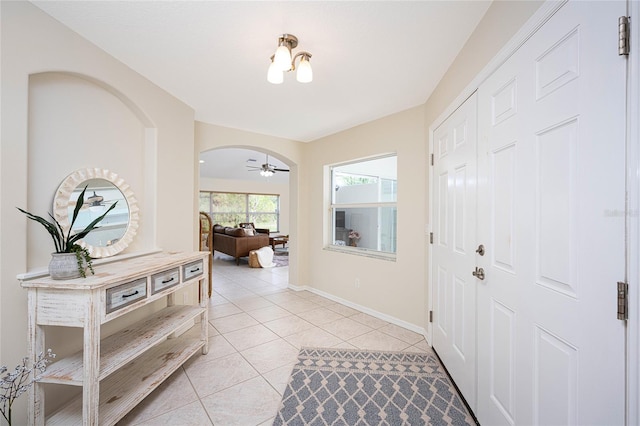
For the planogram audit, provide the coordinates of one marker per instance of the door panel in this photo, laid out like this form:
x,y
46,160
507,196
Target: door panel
x,y
557,208
503,204
502,389
554,357
551,170
454,246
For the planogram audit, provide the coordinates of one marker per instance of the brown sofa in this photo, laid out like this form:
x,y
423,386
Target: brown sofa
x,y
235,241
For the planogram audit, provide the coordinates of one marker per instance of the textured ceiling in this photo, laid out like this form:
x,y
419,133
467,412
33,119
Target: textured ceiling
x,y
370,59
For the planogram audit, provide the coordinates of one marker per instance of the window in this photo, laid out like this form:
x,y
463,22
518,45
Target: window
x,y
230,209
363,205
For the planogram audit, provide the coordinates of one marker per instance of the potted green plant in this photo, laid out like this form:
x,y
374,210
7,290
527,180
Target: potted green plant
x,y
70,260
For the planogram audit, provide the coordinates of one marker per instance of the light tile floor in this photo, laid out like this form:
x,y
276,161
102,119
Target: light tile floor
x,y
257,326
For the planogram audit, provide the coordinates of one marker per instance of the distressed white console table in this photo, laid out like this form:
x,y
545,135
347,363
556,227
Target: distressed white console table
x,y
118,371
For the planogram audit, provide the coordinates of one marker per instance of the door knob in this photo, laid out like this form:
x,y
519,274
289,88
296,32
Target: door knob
x,y
480,250
478,273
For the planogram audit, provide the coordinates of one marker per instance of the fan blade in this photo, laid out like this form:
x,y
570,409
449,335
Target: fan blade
x,y
281,170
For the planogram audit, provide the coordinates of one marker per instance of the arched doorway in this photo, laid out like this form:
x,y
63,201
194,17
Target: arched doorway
x,y
260,178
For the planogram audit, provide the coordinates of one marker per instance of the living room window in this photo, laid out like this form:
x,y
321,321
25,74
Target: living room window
x,y
232,208
364,205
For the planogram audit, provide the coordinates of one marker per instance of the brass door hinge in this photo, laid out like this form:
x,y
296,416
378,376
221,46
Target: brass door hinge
x,y
623,36
623,300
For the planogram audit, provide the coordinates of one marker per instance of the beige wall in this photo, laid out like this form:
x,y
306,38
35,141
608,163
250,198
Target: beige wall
x,y
395,288
254,187
67,105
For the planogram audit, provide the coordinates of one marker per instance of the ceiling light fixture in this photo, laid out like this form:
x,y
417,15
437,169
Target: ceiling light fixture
x,y
266,172
282,61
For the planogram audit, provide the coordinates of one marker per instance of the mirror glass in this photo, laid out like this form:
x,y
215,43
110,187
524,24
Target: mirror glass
x,y
98,197
104,188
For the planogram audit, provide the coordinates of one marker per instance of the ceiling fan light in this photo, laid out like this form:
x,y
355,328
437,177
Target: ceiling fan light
x,y
304,73
274,75
282,57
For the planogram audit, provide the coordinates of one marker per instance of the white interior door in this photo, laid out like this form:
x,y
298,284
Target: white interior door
x,y
551,129
453,250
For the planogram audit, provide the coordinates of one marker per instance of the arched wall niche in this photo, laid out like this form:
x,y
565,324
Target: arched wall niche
x,y
74,122
135,109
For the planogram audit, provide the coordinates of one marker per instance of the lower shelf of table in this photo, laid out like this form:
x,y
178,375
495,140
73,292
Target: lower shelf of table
x,y
123,390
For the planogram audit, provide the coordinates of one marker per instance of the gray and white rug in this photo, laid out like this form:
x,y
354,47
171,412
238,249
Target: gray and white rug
x,y
355,387
281,258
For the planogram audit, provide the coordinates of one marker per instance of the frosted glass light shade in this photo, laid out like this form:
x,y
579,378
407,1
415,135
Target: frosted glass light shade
x,y
274,75
282,58
304,73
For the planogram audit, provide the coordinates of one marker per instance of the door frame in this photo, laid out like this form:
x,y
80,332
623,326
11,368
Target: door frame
x,y
539,18
633,221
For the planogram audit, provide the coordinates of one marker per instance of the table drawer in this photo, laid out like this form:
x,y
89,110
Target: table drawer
x,y
125,294
165,280
192,270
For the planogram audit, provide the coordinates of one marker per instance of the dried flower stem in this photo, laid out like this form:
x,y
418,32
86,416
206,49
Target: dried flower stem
x,y
14,384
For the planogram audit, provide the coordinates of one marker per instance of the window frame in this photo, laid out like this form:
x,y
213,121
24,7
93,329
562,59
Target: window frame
x,y
333,206
247,214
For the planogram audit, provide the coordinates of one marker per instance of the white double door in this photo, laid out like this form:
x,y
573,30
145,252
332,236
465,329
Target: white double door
x,y
540,183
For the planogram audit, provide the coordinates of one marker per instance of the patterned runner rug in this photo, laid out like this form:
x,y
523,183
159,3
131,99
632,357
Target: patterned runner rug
x,y
355,387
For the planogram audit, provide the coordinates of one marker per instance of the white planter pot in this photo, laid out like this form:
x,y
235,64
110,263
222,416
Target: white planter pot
x,y
64,266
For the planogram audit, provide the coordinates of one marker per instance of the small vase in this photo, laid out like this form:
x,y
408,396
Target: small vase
x,y
64,266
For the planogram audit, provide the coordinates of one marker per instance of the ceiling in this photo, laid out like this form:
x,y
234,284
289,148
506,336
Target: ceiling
x,y
231,163
370,59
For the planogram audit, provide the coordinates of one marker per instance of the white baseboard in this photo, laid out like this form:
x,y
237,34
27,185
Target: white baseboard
x,y
364,309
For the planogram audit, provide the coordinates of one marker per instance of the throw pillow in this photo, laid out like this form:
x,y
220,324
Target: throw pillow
x,y
234,232
249,232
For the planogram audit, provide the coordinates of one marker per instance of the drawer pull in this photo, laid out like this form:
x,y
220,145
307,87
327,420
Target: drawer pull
x,y
165,280
194,270
125,294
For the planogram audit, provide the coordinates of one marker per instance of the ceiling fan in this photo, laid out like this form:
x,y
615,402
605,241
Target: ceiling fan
x,y
94,202
266,169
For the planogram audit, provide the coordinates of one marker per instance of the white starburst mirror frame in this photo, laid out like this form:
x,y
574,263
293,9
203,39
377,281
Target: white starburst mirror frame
x,y
104,187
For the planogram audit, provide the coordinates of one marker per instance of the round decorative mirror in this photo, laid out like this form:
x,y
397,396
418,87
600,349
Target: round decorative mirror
x,y
104,188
